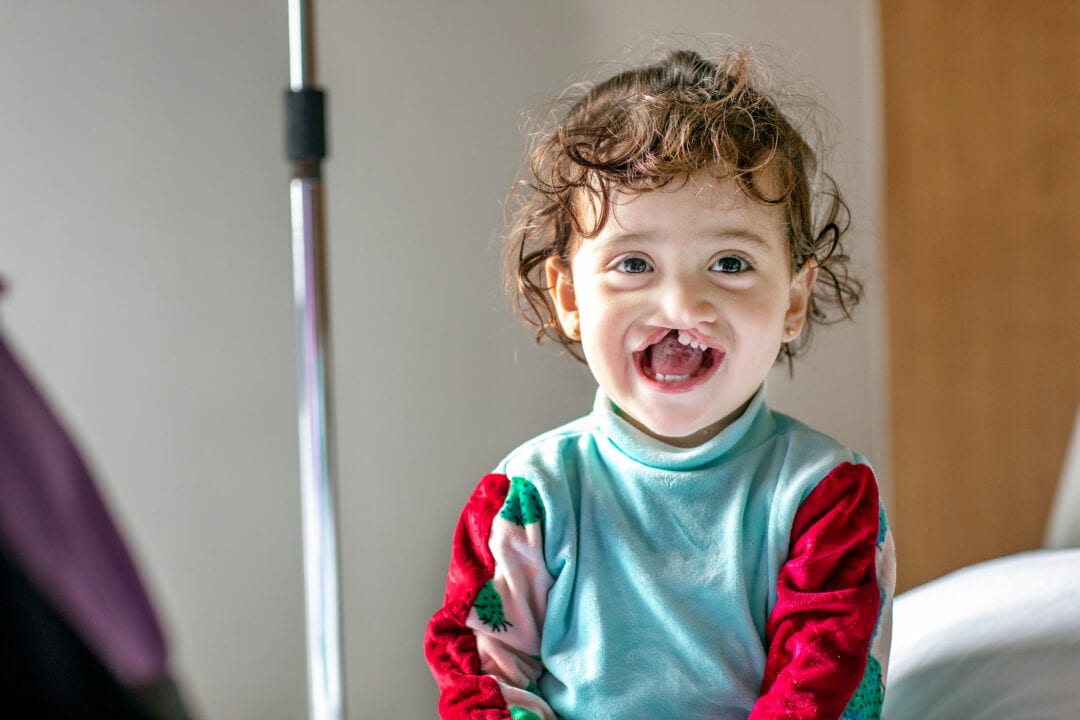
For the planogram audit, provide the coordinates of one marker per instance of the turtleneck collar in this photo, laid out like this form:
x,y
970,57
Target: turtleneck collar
x,y
754,423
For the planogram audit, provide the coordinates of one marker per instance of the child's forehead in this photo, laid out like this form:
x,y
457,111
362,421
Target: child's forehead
x,y
706,203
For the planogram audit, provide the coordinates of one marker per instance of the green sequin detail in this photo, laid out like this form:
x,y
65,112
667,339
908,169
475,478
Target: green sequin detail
x,y
523,505
883,525
520,713
866,703
489,608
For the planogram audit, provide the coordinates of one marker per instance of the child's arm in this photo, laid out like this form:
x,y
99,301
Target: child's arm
x,y
483,646
828,636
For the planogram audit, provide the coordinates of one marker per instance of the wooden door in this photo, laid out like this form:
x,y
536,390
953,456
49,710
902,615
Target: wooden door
x,y
982,237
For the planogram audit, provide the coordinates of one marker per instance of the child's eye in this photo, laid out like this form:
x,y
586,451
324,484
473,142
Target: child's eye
x,y
731,264
633,265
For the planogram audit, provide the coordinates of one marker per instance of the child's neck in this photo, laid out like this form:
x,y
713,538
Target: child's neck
x,y
694,439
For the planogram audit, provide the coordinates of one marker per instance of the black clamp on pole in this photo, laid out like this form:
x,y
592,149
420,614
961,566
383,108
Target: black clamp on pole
x,y
305,128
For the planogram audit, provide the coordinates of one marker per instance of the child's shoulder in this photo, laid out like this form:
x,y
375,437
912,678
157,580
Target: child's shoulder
x,y
803,446
550,453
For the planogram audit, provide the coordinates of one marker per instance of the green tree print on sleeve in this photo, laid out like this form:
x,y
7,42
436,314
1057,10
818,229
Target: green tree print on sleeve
x,y
489,608
869,696
523,505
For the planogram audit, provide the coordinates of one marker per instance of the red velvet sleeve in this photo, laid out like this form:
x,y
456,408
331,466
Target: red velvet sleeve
x,y
828,602
449,645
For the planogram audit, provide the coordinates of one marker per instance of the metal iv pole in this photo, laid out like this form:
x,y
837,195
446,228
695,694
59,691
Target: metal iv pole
x,y
306,147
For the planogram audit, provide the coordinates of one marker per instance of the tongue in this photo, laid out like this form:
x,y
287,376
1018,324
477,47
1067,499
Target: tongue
x,y
670,357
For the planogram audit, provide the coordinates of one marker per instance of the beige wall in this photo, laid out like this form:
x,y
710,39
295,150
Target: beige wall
x,y
144,236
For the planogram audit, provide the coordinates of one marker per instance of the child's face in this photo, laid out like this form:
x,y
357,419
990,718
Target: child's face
x,y
681,302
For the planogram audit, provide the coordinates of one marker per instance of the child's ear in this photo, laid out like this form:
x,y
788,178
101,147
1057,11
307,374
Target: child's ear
x,y
561,287
802,285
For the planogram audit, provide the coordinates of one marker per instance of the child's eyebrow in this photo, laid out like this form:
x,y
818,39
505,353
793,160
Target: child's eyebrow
x,y
744,235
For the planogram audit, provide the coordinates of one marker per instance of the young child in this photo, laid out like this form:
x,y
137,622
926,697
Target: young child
x,y
682,552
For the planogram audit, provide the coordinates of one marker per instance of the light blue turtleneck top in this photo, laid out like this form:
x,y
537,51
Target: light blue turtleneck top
x,y
660,564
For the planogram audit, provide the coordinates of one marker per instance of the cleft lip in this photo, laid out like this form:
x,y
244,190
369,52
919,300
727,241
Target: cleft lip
x,y
661,333
654,338
714,357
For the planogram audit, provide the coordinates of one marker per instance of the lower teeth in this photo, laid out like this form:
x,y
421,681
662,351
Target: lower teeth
x,y
671,378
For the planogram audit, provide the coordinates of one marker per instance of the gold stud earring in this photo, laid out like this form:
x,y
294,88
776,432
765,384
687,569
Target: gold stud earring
x,y
790,331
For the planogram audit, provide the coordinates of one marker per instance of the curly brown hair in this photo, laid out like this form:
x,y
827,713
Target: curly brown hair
x,y
648,127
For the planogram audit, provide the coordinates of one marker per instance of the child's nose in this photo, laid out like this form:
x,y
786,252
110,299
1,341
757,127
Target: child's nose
x,y
685,305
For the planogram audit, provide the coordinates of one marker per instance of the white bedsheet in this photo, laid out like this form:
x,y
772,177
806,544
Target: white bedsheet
x,y
995,641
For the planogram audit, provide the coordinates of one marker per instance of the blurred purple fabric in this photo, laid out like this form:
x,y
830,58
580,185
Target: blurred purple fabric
x,y
55,527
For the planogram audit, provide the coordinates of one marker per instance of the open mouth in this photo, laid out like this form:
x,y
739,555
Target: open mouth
x,y
678,361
